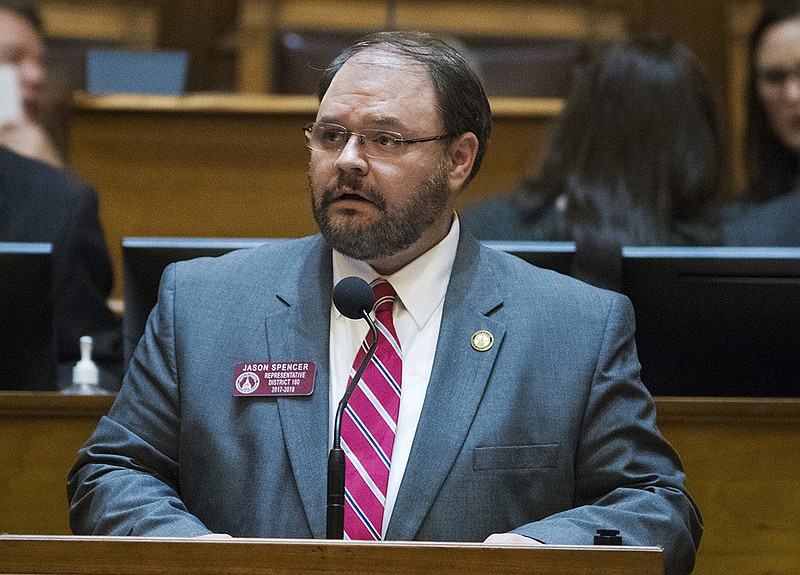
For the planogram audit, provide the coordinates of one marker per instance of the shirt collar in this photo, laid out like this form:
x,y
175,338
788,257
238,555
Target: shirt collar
x,y
420,286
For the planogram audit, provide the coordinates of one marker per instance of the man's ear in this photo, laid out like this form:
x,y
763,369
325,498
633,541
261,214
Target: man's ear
x,y
460,159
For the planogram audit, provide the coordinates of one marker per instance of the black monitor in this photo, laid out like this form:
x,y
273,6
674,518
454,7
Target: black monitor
x,y
27,339
143,263
557,256
716,321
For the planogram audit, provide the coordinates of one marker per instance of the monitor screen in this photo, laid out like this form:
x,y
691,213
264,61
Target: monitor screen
x,y
27,339
716,321
556,256
143,262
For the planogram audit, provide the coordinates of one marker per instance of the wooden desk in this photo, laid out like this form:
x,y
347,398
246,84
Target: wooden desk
x,y
142,556
40,433
742,459
235,166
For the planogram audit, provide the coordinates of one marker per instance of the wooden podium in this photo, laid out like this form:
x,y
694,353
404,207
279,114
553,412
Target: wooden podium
x,y
145,556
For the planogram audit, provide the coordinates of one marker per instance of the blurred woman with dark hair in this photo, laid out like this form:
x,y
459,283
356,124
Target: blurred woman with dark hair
x,y
770,211
634,160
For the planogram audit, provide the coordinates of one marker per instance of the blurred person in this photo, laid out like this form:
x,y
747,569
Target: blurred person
x,y
40,203
503,403
634,160
22,47
769,212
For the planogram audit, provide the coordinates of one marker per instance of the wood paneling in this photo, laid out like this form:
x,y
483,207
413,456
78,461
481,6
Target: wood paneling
x,y
40,434
134,23
262,19
742,460
232,40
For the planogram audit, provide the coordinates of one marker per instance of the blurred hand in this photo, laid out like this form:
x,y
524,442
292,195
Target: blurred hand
x,y
215,536
29,139
511,539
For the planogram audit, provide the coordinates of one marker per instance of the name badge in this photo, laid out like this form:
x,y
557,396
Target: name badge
x,y
274,378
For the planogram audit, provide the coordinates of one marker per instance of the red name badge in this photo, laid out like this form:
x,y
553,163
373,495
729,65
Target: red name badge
x,y
274,378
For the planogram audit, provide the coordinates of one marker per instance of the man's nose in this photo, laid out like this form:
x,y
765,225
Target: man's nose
x,y
352,155
31,72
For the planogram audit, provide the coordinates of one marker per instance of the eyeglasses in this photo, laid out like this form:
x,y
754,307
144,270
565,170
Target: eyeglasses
x,y
776,78
325,137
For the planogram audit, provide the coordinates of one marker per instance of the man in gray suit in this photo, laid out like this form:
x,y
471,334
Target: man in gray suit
x,y
521,417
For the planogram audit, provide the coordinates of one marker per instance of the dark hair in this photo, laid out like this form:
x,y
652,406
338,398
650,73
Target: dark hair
x,y
636,147
459,92
25,10
771,165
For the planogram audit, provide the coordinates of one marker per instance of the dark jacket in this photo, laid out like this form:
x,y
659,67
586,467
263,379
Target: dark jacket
x,y
39,203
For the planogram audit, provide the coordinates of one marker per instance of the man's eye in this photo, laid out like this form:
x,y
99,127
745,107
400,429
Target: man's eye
x,y
333,135
775,76
12,56
384,140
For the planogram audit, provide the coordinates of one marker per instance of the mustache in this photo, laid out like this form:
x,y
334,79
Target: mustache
x,y
356,184
348,180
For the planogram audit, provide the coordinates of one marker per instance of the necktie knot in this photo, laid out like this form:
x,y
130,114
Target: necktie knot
x,y
384,296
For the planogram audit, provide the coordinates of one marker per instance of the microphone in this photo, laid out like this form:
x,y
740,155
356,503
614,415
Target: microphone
x,y
353,297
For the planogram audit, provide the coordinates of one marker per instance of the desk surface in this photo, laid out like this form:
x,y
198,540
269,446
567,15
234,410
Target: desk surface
x,y
743,410
733,410
33,404
133,555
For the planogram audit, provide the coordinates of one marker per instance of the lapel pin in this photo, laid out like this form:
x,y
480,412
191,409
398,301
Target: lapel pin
x,y
482,340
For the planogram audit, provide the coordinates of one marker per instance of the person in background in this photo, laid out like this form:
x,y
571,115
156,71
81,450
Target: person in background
x,y
503,403
40,203
769,212
22,47
634,160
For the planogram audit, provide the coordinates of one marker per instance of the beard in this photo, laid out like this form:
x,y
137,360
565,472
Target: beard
x,y
395,230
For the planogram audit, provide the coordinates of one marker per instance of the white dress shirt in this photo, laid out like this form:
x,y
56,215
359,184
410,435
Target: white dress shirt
x,y
417,315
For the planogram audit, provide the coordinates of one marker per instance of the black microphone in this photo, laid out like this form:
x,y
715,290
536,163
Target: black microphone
x,y
354,299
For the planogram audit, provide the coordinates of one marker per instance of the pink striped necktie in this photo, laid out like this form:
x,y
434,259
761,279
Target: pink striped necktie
x,y
369,423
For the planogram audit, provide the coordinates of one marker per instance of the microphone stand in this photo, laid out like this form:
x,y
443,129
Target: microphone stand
x,y
336,458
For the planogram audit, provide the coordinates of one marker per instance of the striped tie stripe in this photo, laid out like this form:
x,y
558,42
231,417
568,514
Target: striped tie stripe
x,y
370,438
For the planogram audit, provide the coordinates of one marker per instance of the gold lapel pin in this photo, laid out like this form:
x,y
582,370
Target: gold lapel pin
x,y
482,340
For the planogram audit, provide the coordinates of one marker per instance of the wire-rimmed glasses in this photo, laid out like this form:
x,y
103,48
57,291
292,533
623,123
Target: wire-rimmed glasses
x,y
382,144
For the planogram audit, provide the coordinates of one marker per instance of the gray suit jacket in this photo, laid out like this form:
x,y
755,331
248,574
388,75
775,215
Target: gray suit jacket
x,y
549,433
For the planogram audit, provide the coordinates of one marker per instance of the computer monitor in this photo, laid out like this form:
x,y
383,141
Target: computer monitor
x,y
143,263
556,256
27,339
716,321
